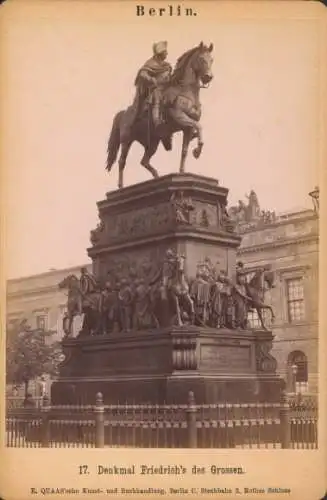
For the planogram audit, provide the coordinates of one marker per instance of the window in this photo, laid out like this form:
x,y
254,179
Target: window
x,y
254,321
41,322
295,299
298,371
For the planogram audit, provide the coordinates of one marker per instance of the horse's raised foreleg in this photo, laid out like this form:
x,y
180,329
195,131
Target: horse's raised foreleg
x,y
191,128
125,147
191,308
259,308
197,151
148,153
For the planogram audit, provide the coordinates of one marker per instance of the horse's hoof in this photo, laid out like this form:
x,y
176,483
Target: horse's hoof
x,y
197,152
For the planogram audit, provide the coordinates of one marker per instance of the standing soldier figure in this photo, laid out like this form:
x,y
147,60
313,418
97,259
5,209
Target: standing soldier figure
x,y
200,293
221,295
150,81
241,299
125,300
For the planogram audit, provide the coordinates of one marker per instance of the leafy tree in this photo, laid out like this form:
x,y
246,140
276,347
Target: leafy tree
x,y
29,355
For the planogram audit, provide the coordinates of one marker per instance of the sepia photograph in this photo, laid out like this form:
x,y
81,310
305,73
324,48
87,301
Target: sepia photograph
x,y
161,177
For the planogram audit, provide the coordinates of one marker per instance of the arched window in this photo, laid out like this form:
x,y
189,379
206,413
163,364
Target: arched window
x,y
299,360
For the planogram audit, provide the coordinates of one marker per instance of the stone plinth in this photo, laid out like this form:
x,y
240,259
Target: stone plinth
x,y
138,224
163,365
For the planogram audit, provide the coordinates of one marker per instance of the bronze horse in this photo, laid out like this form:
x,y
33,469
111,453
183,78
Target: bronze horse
x,y
79,303
256,290
182,111
180,292
172,299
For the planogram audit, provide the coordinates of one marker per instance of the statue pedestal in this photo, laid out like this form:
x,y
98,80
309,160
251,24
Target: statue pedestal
x,y
163,365
138,224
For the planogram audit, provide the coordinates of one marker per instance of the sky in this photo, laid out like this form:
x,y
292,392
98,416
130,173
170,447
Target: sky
x,y
68,71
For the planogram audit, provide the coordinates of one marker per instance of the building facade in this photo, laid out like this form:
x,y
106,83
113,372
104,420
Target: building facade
x,y
288,244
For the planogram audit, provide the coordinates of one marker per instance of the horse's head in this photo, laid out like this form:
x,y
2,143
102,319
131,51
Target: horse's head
x,y
261,278
257,281
180,263
199,60
69,282
203,62
269,277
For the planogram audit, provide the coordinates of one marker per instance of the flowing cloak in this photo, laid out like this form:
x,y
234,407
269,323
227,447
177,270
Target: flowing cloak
x,y
144,86
221,287
152,69
200,291
88,286
142,302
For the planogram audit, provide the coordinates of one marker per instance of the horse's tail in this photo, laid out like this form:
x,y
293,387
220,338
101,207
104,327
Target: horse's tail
x,y
114,141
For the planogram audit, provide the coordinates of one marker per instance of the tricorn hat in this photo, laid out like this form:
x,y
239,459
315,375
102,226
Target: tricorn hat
x,y
159,47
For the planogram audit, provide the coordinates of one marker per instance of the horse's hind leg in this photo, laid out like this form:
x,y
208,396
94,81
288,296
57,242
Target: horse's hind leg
x,y
260,316
178,311
125,147
191,308
148,153
272,314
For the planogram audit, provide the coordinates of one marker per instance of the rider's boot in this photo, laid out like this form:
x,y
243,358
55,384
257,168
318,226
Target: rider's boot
x,y
167,142
157,121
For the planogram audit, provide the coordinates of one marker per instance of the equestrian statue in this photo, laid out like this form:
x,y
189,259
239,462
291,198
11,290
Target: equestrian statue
x,y
166,102
171,291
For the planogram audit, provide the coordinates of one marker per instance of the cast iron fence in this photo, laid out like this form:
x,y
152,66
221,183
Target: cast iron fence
x,y
20,401
291,423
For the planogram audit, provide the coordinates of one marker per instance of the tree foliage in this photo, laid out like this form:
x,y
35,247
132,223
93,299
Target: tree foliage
x,y
30,353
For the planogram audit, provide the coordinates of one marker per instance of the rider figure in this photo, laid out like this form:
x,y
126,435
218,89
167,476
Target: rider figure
x,y
150,80
89,290
87,282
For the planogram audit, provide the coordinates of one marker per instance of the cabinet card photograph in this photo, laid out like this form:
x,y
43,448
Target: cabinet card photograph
x,y
162,312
